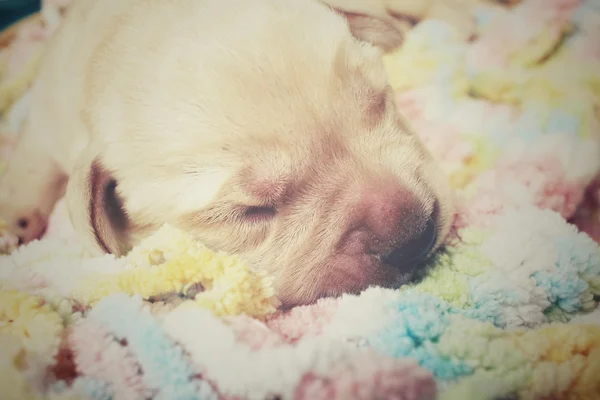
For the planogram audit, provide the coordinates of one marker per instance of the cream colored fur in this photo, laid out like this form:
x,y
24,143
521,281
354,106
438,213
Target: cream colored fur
x,y
269,131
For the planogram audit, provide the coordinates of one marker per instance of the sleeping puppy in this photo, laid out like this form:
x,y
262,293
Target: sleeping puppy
x,y
262,128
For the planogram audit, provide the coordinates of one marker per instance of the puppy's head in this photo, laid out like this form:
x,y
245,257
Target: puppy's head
x,y
277,138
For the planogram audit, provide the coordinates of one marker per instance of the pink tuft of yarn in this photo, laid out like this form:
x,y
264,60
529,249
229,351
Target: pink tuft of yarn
x,y
98,355
478,211
561,196
541,176
443,141
303,321
254,333
371,376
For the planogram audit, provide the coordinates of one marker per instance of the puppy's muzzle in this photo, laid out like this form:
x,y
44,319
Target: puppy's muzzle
x,y
393,227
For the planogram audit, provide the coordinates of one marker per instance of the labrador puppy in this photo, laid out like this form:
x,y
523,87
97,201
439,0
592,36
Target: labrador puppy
x,y
264,128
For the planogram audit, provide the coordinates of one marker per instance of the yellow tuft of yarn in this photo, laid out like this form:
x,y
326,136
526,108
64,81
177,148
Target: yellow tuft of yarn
x,y
499,85
540,47
546,86
481,385
483,158
567,358
169,261
13,382
557,85
28,318
450,273
557,361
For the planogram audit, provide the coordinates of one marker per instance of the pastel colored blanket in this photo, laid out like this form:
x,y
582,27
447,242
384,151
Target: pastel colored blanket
x,y
508,309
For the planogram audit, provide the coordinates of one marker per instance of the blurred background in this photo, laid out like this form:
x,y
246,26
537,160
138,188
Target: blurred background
x,y
13,10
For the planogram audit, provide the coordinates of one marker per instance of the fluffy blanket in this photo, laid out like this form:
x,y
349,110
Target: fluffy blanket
x,y
507,310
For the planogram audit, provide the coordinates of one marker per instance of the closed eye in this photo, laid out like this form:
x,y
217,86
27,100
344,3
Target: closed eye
x,y
258,213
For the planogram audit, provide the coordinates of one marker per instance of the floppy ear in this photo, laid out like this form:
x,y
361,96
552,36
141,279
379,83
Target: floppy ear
x,y
375,31
371,22
95,207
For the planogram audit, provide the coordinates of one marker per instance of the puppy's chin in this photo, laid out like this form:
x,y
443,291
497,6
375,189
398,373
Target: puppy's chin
x,y
345,275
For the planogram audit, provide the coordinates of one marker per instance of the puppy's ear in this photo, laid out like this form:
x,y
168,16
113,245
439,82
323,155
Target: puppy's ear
x,y
96,209
376,31
107,216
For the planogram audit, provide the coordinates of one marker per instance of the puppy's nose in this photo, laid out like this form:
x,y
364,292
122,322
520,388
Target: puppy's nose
x,y
394,225
31,227
415,249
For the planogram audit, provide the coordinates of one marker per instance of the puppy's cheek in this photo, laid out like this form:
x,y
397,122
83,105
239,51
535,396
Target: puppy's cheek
x,y
230,237
292,294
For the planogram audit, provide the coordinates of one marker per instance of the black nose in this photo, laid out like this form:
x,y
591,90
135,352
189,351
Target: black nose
x,y
415,249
